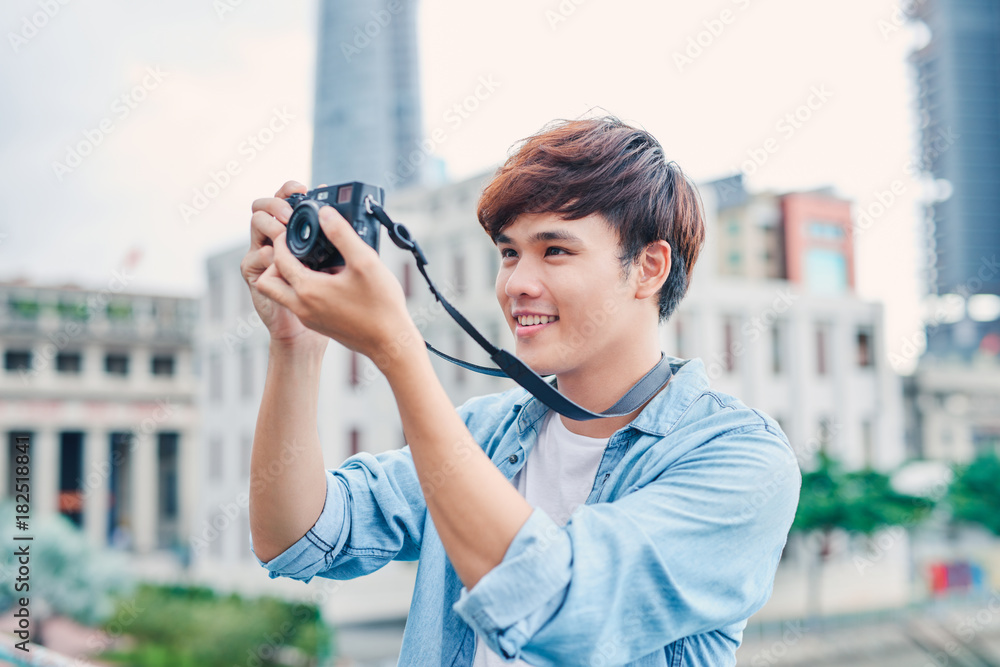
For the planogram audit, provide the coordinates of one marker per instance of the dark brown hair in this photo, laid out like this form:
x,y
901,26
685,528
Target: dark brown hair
x,y
579,167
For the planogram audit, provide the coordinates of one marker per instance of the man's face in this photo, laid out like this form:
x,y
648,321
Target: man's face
x,y
563,292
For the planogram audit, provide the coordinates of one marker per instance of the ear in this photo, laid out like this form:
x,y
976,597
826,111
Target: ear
x,y
653,269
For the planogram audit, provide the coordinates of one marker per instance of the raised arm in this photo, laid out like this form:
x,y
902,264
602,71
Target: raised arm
x,y
287,476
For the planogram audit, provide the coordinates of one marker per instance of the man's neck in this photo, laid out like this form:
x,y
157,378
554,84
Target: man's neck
x,y
598,388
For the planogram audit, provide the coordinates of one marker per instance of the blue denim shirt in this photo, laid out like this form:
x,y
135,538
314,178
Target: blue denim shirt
x,y
676,546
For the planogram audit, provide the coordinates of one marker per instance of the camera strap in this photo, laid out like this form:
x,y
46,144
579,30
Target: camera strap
x,y
508,364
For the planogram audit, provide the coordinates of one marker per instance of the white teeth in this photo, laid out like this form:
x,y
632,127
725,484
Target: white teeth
x,y
531,320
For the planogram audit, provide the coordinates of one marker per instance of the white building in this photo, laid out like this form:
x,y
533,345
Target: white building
x,y
954,408
102,384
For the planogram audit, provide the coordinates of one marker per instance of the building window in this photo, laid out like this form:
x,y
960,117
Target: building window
x,y
116,363
354,441
215,455
70,363
729,340
215,377
247,380
354,369
821,351
828,231
865,356
163,365
70,476
777,348
168,505
17,360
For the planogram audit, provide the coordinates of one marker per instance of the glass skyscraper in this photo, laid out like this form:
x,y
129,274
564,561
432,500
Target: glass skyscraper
x,y
958,76
367,124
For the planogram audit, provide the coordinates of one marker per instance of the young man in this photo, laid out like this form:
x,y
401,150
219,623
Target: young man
x,y
646,539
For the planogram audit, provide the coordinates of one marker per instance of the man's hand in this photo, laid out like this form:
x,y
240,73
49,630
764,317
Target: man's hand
x,y
362,306
270,216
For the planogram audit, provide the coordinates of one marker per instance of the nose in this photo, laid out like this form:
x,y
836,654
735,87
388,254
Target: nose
x,y
522,280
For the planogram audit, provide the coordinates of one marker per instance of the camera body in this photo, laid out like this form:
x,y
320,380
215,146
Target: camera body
x,y
305,238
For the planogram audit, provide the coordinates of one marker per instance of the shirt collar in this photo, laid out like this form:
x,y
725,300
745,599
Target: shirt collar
x,y
688,382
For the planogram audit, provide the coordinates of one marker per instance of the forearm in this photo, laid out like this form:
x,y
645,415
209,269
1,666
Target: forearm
x,y
287,474
476,510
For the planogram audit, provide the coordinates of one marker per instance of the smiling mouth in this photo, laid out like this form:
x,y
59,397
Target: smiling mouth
x,y
534,320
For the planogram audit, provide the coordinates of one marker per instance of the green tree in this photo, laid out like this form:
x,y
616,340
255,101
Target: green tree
x,y
174,626
861,501
974,494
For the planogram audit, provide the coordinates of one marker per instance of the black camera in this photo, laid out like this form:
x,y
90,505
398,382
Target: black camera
x,y
304,236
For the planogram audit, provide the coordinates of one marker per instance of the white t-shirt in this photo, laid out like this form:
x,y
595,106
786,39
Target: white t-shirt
x,y
557,477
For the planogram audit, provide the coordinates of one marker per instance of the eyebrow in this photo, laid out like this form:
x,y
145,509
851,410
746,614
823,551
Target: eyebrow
x,y
554,235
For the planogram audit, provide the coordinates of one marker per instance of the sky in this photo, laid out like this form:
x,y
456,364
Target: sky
x,y
118,116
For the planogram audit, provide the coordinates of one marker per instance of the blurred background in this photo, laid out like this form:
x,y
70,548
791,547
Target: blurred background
x,y
847,155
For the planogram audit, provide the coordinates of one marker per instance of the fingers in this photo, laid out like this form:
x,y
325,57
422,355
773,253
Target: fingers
x,y
256,261
293,271
273,206
343,237
272,285
264,228
290,188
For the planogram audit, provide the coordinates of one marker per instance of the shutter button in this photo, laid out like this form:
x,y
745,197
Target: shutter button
x,y
513,458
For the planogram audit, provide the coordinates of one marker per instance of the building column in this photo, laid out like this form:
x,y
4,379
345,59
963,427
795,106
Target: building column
x,y
44,473
95,482
145,487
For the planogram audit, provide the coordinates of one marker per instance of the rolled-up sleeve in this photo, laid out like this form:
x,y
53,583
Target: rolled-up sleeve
x,y
315,550
693,550
374,513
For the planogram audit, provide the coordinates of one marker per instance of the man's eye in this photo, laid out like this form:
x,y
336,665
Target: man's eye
x,y
507,252
555,251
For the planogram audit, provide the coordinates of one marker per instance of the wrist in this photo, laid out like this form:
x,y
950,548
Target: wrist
x,y
406,345
300,346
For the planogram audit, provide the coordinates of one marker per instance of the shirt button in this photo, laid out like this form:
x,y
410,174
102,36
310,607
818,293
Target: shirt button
x,y
512,458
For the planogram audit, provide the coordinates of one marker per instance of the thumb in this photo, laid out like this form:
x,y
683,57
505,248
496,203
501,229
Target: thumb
x,y
343,236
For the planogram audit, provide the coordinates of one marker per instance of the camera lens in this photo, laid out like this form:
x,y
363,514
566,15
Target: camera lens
x,y
301,232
